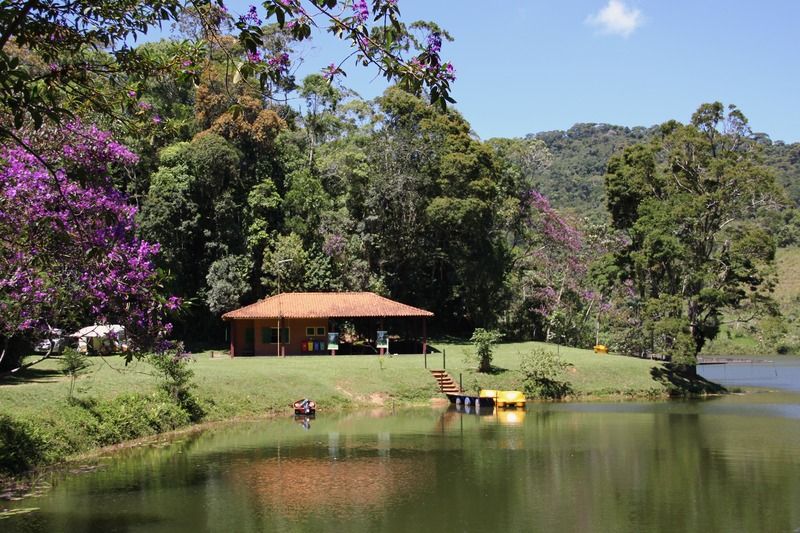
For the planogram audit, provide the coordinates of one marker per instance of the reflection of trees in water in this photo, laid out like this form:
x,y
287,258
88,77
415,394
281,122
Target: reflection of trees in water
x,y
340,486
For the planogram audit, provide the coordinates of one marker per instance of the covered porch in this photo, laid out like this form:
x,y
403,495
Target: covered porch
x,y
299,323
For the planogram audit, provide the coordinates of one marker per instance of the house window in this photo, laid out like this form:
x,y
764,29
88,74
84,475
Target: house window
x,y
321,332
309,332
270,335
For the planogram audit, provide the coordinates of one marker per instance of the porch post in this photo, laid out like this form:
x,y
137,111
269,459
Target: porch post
x,y
424,335
233,338
279,337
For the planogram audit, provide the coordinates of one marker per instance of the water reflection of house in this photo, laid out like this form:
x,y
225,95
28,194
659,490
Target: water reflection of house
x,y
337,485
296,323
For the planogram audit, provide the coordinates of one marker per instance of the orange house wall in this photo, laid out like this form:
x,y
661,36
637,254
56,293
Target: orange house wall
x,y
297,335
238,338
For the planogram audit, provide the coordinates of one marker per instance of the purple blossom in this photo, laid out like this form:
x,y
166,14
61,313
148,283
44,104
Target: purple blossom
x,y
70,239
448,72
280,63
145,106
251,17
334,245
156,119
173,303
434,43
254,57
360,11
330,71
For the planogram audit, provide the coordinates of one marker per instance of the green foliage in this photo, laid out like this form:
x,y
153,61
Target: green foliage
x,y
22,445
74,364
574,180
83,424
542,374
174,378
484,341
228,282
288,265
130,416
687,204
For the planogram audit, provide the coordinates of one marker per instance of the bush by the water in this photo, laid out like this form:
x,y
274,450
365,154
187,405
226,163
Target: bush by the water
x,y
175,379
542,374
82,424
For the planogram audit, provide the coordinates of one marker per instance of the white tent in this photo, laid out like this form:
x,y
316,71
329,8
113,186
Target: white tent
x,y
101,338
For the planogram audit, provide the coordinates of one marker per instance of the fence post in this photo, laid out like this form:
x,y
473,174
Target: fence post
x,y
444,358
426,359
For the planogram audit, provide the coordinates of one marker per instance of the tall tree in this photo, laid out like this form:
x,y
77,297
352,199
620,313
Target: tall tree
x,y
686,202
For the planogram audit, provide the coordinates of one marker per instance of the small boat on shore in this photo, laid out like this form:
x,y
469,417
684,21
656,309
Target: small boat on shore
x,y
305,407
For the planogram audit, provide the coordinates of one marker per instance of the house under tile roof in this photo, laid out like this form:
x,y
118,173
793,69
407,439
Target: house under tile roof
x,y
300,322
326,305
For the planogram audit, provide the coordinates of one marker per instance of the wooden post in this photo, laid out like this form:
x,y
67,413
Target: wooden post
x,y
233,341
279,334
424,338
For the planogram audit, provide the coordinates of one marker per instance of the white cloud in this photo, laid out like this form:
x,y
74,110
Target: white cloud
x,y
616,18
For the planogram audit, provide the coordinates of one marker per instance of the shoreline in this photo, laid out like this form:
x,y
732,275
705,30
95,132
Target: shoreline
x,y
17,487
117,408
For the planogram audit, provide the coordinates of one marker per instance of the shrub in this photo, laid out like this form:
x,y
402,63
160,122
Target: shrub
x,y
131,416
175,379
542,373
21,445
74,364
484,341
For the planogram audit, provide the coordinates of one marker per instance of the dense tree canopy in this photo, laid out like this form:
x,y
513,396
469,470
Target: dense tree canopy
x,y
686,202
246,195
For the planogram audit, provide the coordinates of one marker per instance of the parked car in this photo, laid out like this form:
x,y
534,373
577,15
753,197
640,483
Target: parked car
x,y
54,343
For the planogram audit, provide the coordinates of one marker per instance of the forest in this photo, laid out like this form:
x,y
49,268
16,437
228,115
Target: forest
x,y
200,174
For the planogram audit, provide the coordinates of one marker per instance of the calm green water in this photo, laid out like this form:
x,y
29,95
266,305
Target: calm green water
x,y
728,464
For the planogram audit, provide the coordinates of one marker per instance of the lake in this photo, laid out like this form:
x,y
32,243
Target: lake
x,y
723,464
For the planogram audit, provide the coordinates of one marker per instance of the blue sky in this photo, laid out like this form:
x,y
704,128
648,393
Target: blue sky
x,y
529,66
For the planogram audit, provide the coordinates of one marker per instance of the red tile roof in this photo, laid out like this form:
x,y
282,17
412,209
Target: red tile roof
x,y
324,305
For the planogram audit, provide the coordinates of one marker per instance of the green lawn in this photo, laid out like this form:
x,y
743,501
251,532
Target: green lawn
x,y
116,403
248,385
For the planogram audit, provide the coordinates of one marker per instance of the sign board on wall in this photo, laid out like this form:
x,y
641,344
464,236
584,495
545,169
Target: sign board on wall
x,y
382,340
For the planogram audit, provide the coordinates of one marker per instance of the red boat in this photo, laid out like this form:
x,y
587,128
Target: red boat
x,y
305,407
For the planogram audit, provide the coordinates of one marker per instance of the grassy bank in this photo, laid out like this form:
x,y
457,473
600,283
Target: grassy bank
x,y
38,425
768,335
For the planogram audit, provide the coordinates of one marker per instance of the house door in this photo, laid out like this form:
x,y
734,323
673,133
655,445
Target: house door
x,y
249,340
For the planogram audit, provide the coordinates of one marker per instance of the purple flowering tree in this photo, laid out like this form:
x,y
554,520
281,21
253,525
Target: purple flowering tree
x,y
550,270
374,31
68,250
